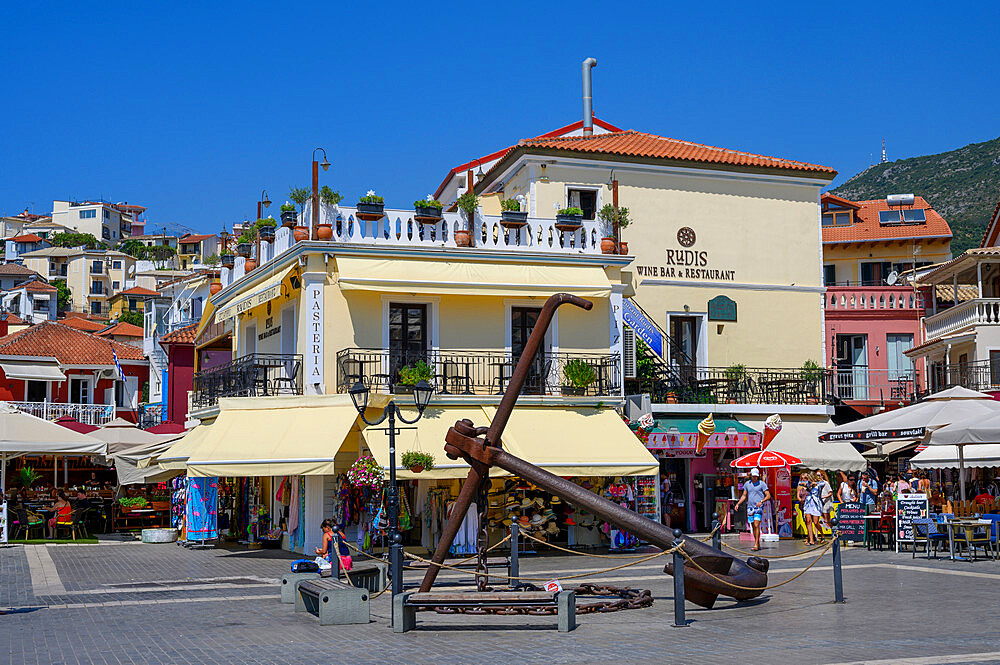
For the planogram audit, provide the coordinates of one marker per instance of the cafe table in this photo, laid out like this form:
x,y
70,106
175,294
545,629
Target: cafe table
x,y
968,526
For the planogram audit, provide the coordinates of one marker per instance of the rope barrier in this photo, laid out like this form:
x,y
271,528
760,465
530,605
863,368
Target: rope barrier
x,y
773,556
756,588
596,556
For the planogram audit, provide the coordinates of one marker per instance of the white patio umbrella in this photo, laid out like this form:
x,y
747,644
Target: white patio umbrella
x,y
972,456
25,434
127,463
120,434
915,421
975,432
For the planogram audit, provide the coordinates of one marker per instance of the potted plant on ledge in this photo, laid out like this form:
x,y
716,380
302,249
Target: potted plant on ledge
x,y
609,215
330,199
569,219
811,374
578,375
227,258
511,216
411,375
735,375
417,461
371,207
266,229
289,218
427,211
467,203
244,248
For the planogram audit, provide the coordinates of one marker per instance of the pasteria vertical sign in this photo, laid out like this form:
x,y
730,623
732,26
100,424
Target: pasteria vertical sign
x,y
313,356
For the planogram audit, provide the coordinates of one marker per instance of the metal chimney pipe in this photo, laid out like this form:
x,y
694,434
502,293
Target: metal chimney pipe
x,y
588,97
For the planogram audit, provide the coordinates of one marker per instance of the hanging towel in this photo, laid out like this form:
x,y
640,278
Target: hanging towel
x,y
202,508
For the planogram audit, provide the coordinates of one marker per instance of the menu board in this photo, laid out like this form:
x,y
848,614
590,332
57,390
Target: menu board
x,y
851,521
908,508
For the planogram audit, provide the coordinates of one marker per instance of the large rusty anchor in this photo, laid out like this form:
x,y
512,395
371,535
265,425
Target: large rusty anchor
x,y
481,448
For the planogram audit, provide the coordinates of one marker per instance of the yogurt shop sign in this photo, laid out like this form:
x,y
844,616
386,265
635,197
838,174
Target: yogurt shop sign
x,y
687,263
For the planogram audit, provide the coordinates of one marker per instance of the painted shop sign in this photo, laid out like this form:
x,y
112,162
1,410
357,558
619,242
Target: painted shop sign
x,y
721,308
314,334
911,433
642,326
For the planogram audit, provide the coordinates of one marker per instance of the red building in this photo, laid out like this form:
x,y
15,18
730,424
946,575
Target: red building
x,y
179,346
51,369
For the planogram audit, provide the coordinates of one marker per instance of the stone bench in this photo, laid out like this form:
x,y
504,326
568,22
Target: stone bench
x,y
406,605
333,602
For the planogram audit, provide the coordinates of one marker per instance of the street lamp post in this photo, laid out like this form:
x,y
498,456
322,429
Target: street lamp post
x,y
315,200
421,396
266,202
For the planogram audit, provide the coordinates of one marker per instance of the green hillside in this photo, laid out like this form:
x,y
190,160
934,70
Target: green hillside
x,y
963,185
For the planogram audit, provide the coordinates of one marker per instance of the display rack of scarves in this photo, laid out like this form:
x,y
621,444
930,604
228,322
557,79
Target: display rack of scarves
x,y
296,513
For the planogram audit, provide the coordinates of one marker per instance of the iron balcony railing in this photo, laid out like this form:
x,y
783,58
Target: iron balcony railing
x,y
453,372
736,385
151,415
981,375
861,384
253,375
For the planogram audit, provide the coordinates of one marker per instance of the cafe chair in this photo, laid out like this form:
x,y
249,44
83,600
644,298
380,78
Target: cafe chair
x,y
26,521
73,525
925,531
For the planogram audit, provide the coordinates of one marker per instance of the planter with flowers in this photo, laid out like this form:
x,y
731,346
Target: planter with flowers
x,y
366,472
417,461
467,203
371,207
427,211
608,216
511,215
569,219
329,199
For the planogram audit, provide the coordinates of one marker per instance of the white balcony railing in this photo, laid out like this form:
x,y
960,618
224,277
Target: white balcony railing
x,y
978,312
91,414
398,228
860,383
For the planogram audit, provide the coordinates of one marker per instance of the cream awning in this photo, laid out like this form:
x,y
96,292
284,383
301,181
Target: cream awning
x,y
32,370
470,278
127,464
273,436
267,290
563,441
800,438
977,455
175,458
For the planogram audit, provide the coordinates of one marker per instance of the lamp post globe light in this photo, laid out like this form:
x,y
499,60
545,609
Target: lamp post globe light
x,y
422,393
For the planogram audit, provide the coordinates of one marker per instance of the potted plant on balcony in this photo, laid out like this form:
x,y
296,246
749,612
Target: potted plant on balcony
x,y
329,199
244,247
371,207
735,375
227,258
511,216
467,203
569,219
608,216
288,216
265,228
28,477
411,375
428,210
417,461
578,375
811,374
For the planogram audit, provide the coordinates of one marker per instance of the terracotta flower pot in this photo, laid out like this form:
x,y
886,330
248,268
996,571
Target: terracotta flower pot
x,y
608,246
249,265
623,247
324,231
301,233
463,238
417,468
215,287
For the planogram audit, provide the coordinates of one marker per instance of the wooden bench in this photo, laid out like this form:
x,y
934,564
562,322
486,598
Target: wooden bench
x,y
333,602
406,605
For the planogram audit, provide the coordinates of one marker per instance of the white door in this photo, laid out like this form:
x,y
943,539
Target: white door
x,y
249,340
288,319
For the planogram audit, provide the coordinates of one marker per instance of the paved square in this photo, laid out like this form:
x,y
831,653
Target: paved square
x,y
132,603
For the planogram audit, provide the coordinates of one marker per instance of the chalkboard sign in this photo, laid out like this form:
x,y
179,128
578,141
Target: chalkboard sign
x,y
851,521
908,508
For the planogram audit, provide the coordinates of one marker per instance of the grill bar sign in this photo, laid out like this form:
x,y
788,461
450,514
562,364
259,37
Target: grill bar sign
x,y
248,303
876,434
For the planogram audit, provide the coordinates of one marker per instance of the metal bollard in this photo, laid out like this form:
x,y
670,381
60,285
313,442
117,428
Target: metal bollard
x,y
838,576
679,620
716,532
515,568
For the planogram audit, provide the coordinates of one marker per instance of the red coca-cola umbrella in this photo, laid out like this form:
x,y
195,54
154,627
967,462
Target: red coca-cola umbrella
x,y
765,459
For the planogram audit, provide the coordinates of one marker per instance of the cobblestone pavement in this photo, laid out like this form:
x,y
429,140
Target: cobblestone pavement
x,y
131,603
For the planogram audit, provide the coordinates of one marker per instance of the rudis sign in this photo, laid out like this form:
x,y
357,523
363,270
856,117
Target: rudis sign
x,y
874,434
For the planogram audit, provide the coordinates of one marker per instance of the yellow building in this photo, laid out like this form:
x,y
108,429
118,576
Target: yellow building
x,y
92,275
131,300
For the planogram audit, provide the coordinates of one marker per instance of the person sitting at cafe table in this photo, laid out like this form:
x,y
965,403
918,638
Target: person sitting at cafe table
x,y
983,497
869,489
63,513
82,502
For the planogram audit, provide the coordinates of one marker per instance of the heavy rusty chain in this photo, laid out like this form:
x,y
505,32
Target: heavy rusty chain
x,y
628,599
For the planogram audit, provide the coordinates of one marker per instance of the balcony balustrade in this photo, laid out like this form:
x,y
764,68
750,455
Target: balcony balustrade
x,y
871,298
965,316
91,414
861,384
981,375
482,373
253,375
717,385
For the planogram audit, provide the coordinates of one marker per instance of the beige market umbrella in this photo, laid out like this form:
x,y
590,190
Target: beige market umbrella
x,y
120,434
24,434
971,456
127,463
972,432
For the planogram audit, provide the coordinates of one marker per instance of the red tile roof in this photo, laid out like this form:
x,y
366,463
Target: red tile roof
x,y
866,227
83,323
122,328
191,237
38,286
27,237
16,269
183,335
14,319
640,144
138,291
67,345
572,127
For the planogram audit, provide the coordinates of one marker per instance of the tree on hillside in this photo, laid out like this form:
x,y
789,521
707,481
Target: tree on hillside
x,y
64,297
128,316
134,248
160,254
75,240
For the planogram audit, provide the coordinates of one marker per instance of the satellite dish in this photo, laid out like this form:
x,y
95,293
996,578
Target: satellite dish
x,y
892,278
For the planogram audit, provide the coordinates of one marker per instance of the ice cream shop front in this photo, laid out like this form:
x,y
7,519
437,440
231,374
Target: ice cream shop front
x,y
698,478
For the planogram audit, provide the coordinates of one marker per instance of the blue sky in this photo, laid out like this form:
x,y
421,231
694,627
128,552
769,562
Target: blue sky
x,y
192,109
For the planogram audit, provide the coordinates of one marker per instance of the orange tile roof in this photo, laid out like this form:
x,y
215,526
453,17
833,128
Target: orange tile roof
x,y
138,291
123,328
67,345
14,319
83,323
27,237
639,144
16,269
866,227
37,285
191,237
183,335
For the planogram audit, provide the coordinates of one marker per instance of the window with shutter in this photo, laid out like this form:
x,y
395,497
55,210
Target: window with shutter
x,y
628,351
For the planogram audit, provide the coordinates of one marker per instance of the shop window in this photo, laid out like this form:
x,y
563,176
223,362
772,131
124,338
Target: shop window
x,y
408,334
585,199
